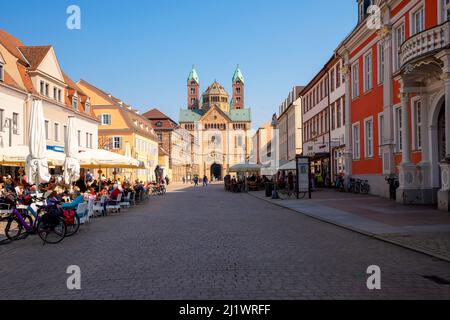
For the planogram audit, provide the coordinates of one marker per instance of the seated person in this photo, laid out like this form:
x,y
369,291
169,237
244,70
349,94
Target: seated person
x,y
77,199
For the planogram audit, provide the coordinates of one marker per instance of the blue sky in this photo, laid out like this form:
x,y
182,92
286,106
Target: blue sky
x,y
142,50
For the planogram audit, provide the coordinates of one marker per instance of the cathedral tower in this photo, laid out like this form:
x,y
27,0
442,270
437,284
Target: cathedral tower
x,y
193,85
238,89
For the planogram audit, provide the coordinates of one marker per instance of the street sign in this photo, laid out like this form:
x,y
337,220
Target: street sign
x,y
303,166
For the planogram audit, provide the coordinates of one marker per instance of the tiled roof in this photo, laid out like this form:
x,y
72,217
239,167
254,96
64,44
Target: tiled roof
x,y
241,115
11,43
189,116
34,55
72,85
155,114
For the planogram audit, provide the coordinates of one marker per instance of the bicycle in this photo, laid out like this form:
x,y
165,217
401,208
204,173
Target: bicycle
x,y
50,228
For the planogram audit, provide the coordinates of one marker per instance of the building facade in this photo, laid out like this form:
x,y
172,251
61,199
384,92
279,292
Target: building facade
x,y
178,143
122,126
316,124
397,120
290,126
33,72
220,123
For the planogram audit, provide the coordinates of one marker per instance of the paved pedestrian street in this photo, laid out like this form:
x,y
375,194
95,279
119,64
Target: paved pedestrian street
x,y
205,243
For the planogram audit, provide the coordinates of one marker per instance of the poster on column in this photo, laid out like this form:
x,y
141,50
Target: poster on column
x,y
303,168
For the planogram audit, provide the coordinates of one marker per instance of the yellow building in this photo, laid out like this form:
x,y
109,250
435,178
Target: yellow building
x,y
122,126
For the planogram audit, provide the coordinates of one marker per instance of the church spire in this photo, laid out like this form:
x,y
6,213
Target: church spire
x,y
193,76
238,76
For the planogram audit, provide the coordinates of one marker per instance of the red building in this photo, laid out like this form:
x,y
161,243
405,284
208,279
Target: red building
x,y
398,72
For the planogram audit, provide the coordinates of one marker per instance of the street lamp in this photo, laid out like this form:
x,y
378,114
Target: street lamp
x,y
275,194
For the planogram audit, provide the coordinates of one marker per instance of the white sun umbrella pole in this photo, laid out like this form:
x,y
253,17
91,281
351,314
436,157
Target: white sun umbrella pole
x,y
37,165
71,164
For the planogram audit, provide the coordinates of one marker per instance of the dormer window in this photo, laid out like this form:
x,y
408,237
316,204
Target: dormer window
x,y
2,73
159,124
42,88
59,95
75,103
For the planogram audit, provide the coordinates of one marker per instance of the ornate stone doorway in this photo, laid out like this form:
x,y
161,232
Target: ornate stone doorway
x,y
216,172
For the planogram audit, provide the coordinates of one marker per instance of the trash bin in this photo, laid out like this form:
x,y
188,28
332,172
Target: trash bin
x,y
269,189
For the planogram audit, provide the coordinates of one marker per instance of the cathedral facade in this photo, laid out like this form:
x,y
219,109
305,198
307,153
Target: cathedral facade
x,y
219,123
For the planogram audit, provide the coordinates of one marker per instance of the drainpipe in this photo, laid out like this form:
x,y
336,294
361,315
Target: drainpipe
x,y
26,118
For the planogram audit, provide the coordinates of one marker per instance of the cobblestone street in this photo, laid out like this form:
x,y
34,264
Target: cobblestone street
x,y
204,243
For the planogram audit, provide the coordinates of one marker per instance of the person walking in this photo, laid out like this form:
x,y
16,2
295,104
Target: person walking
x,y
196,181
205,181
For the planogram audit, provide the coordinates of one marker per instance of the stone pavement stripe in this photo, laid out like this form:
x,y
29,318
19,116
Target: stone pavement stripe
x,y
364,226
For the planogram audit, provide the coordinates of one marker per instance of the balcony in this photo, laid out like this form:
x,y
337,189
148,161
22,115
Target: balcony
x,y
424,43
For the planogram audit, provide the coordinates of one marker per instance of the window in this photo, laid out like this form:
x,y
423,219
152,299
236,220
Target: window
x,y
106,119
368,72
117,142
380,63
338,75
79,138
355,80
356,142
398,129
87,107
338,114
47,89
238,90
2,76
418,22
87,140
417,118
380,132
238,100
15,123
332,80
160,137
444,10
2,119
65,133
368,138
42,88
55,93
56,131
75,103
192,90
399,39
333,122
239,141
47,137
59,95
91,141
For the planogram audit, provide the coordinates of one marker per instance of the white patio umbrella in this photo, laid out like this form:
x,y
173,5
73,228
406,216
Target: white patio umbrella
x,y
71,164
37,164
17,156
246,167
289,166
106,160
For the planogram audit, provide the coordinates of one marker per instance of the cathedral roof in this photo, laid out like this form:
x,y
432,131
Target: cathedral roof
x,y
238,76
216,89
193,76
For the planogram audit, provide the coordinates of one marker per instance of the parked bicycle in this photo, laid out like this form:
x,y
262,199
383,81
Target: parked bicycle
x,y
47,223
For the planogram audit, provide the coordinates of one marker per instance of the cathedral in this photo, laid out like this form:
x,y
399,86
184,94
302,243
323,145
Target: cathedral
x,y
220,125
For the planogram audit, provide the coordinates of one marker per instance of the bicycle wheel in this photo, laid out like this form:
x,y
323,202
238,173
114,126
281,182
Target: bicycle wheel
x,y
52,233
74,227
14,230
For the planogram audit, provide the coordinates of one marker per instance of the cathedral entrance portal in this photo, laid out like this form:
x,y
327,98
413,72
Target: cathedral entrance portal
x,y
216,172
